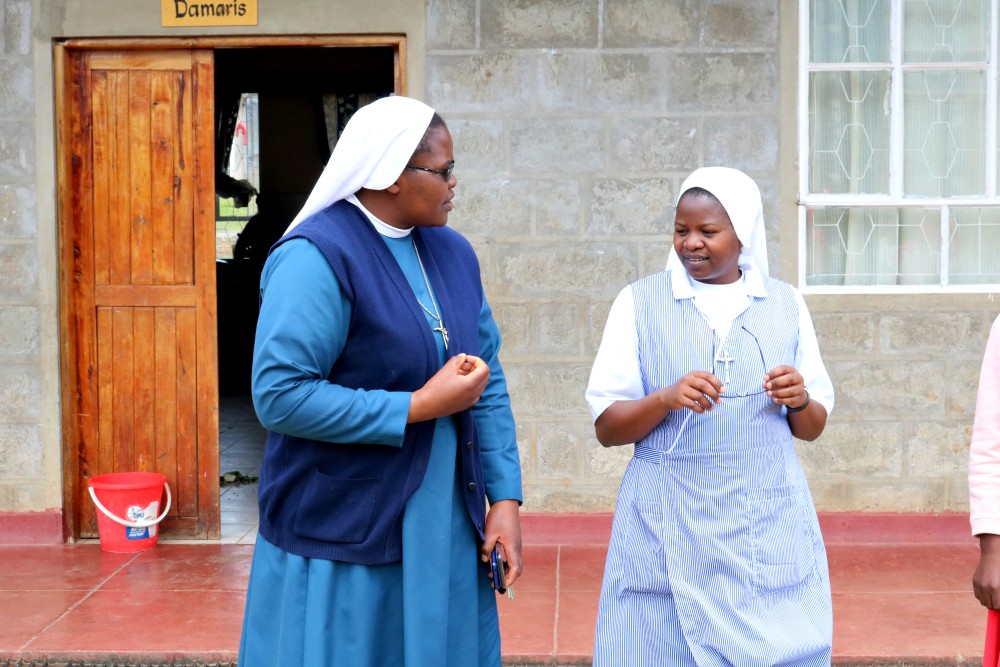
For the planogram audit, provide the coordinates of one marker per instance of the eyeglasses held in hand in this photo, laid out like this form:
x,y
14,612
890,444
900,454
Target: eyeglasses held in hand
x,y
445,173
721,356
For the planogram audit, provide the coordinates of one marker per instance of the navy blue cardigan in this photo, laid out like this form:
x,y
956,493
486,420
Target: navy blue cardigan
x,y
345,501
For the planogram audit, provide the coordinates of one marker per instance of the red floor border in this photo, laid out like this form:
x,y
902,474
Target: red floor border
x,y
43,528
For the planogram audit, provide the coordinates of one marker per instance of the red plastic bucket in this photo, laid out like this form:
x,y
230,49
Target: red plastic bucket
x,y
127,504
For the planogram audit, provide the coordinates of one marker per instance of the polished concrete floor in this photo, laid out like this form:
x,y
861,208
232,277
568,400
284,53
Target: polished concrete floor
x,y
241,448
901,588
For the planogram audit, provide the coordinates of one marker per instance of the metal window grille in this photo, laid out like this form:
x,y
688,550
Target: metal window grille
x,y
898,146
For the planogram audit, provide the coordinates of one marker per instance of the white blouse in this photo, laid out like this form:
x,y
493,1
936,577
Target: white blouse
x,y
616,376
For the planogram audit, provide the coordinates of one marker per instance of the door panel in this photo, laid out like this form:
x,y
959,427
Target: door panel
x,y
139,301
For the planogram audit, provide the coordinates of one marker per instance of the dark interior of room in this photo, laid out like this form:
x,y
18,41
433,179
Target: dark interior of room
x,y
302,93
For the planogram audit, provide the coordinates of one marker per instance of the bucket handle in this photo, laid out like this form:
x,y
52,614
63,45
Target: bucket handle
x,y
141,523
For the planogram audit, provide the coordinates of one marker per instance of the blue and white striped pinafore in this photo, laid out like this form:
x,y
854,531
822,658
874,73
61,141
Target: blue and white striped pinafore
x,y
716,557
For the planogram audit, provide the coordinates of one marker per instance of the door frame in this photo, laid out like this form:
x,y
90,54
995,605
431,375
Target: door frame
x,y
69,357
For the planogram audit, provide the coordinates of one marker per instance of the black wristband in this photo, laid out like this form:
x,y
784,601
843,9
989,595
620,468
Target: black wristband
x,y
801,407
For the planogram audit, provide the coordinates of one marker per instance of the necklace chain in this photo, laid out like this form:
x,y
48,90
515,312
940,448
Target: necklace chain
x,y
436,313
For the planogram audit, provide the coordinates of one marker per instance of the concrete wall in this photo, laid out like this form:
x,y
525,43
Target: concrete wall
x,y
29,389
574,123
30,421
906,371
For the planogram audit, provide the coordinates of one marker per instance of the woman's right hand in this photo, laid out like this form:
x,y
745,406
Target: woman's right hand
x,y
625,422
455,387
698,391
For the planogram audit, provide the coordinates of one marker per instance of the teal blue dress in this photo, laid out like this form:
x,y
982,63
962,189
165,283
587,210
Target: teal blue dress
x,y
436,607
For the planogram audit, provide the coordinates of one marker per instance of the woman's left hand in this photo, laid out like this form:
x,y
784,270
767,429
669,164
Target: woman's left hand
x,y
786,387
503,525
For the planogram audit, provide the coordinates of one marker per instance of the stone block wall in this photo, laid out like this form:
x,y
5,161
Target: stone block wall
x,y
575,122
906,371
23,459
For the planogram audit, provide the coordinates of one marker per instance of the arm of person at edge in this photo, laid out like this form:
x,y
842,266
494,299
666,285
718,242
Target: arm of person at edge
x,y
624,414
984,476
301,333
501,462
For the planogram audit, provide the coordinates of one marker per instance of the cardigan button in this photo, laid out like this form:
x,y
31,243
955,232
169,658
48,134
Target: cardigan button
x,y
468,445
472,486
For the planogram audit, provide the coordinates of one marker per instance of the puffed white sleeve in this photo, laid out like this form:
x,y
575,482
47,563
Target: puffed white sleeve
x,y
615,375
808,361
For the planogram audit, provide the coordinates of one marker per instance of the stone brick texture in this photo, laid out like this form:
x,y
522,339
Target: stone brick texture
x,y
22,451
575,122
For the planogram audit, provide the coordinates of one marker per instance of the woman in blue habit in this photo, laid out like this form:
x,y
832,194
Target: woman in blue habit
x,y
712,368
376,372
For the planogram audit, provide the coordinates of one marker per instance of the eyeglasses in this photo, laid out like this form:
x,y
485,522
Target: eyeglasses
x,y
445,173
727,360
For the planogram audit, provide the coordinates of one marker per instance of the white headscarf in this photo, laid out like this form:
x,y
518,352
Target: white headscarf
x,y
371,152
740,196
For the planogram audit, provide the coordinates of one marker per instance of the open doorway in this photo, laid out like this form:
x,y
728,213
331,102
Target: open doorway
x,y
140,134
278,113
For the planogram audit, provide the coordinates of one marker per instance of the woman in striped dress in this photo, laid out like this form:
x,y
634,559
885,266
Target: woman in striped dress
x,y
712,368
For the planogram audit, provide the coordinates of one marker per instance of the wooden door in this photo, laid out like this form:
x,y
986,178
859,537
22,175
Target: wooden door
x,y
137,236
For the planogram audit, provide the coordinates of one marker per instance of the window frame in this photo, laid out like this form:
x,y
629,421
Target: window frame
x,y
807,201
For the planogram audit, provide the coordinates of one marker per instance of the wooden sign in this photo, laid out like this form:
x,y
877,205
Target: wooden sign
x,y
180,13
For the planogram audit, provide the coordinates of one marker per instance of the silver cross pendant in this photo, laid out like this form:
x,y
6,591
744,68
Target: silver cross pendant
x,y
725,359
444,335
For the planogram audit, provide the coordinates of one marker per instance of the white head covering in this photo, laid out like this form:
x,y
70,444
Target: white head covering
x,y
371,153
740,196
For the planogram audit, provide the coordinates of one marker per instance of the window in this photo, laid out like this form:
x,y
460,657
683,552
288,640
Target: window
x,y
898,146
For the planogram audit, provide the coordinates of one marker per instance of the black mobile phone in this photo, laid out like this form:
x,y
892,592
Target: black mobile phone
x,y
499,569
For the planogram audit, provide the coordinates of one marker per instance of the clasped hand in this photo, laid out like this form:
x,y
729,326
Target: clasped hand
x,y
455,387
700,391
